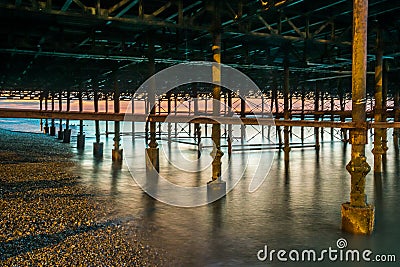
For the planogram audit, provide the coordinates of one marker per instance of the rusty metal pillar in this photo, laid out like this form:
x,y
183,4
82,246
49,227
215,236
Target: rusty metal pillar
x,y
242,115
176,112
159,113
230,108
189,124
396,131
67,131
262,114
146,125
169,125
286,111
322,115
46,123
133,112
303,98
290,111
197,127
342,108
332,110
216,188
206,112
81,137
41,108
316,117
385,78
53,126
97,146
378,148
60,131
357,215
106,109
116,152
275,94
152,153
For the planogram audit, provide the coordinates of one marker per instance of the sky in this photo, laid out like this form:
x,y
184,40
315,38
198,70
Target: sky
x,y
253,104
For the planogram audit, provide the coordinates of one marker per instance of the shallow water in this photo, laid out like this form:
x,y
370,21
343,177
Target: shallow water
x,y
295,209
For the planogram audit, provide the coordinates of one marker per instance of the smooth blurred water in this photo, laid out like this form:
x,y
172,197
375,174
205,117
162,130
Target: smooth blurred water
x,y
294,209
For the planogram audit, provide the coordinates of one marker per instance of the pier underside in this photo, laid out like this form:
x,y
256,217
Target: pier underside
x,y
322,64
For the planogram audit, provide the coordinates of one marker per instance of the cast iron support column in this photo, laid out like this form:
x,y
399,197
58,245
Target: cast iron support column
x,y
60,131
146,125
169,125
262,114
286,112
81,137
159,113
46,123
396,132
303,98
41,108
53,126
216,188
230,125
67,131
357,215
106,109
385,71
97,146
275,94
322,116
378,149
197,127
332,110
242,115
316,117
152,153
116,152
342,108
133,112
176,112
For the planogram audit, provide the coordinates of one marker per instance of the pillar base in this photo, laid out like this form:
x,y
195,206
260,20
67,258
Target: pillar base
x,y
215,190
46,129
358,220
117,155
67,136
98,150
60,135
52,131
80,141
152,158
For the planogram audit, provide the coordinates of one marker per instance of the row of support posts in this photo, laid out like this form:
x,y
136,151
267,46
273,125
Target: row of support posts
x,y
65,135
357,214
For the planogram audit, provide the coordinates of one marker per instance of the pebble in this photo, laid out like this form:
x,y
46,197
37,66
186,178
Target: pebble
x,y
49,219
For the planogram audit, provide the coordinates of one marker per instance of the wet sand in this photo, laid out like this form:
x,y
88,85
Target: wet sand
x,y
48,218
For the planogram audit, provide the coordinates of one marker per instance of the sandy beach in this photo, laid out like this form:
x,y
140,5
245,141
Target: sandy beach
x,y
49,218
